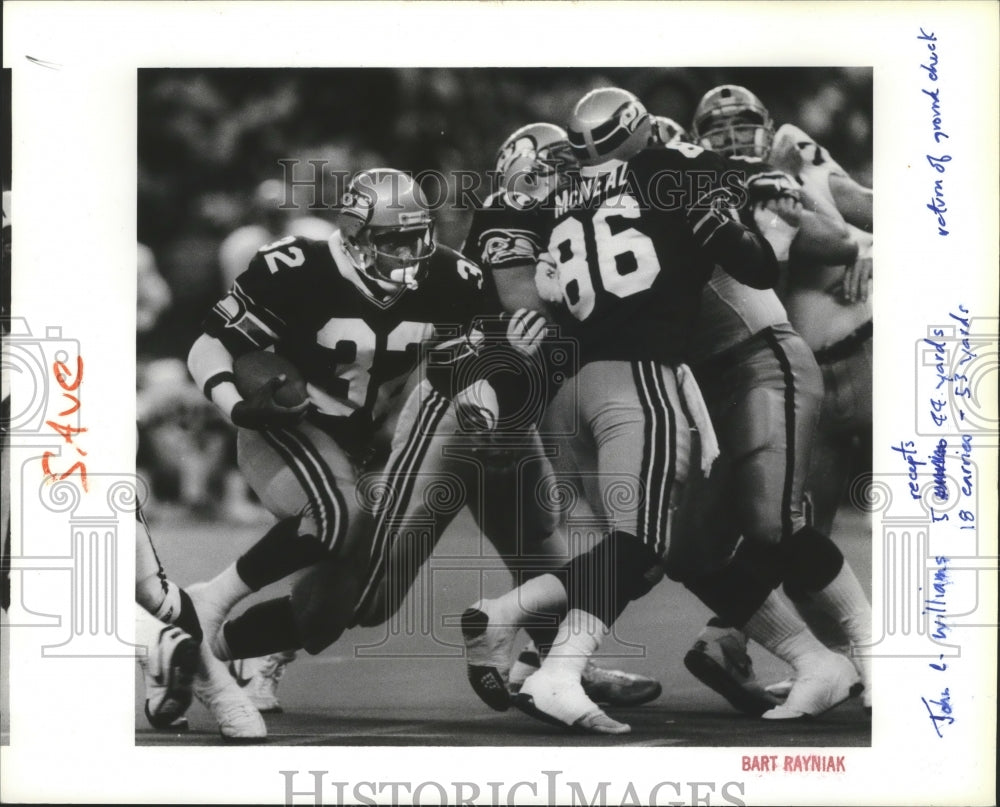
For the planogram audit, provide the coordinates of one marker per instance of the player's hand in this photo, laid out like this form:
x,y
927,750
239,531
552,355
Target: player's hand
x,y
525,331
261,411
709,214
857,281
477,408
789,208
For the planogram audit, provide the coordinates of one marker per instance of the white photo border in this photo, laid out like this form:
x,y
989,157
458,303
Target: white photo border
x,y
74,168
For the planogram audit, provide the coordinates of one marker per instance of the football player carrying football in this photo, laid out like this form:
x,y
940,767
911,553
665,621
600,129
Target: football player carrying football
x,y
763,377
351,314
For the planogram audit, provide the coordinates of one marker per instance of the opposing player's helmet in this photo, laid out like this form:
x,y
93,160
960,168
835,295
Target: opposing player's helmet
x,y
667,131
387,230
732,120
535,161
608,123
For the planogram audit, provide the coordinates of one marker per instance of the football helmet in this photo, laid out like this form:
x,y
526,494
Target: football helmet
x,y
608,123
535,161
667,131
732,121
387,230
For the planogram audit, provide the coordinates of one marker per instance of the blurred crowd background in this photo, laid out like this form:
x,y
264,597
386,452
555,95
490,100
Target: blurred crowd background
x,y
215,147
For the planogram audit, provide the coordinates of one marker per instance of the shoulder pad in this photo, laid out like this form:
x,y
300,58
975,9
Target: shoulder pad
x,y
468,270
794,151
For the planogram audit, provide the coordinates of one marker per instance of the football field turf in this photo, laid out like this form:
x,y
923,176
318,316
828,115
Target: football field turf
x,y
404,684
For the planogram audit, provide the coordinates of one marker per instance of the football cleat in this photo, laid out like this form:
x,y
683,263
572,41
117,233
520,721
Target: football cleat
x,y
560,701
488,648
608,124
604,687
169,668
617,687
822,681
231,707
719,659
259,678
781,689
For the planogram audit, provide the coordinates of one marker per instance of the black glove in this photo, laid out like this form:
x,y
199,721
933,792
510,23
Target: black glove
x,y
712,214
260,411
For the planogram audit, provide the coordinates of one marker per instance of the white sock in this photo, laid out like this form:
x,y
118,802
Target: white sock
x,y
226,589
520,606
578,638
776,627
845,601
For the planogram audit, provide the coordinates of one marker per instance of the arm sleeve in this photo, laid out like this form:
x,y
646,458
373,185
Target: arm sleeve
x,y
211,367
738,249
710,208
745,255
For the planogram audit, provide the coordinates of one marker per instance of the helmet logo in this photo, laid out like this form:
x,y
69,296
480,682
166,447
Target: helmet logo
x,y
629,117
522,147
359,205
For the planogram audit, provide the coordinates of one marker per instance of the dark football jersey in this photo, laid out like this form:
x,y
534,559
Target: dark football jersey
x,y
353,351
732,312
630,268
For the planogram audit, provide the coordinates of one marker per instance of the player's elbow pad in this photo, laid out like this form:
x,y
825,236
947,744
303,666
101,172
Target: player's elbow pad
x,y
745,256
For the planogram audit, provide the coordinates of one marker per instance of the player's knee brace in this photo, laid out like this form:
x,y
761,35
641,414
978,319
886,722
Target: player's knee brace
x,y
737,590
603,580
810,562
288,546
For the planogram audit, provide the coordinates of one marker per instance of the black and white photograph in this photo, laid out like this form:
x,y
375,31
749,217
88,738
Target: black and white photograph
x,y
512,411
302,244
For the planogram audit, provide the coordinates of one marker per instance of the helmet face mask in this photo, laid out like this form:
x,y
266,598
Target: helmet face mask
x,y
732,121
387,230
536,161
609,124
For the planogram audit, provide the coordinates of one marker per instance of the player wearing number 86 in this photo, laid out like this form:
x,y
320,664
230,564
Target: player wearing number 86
x,y
628,272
